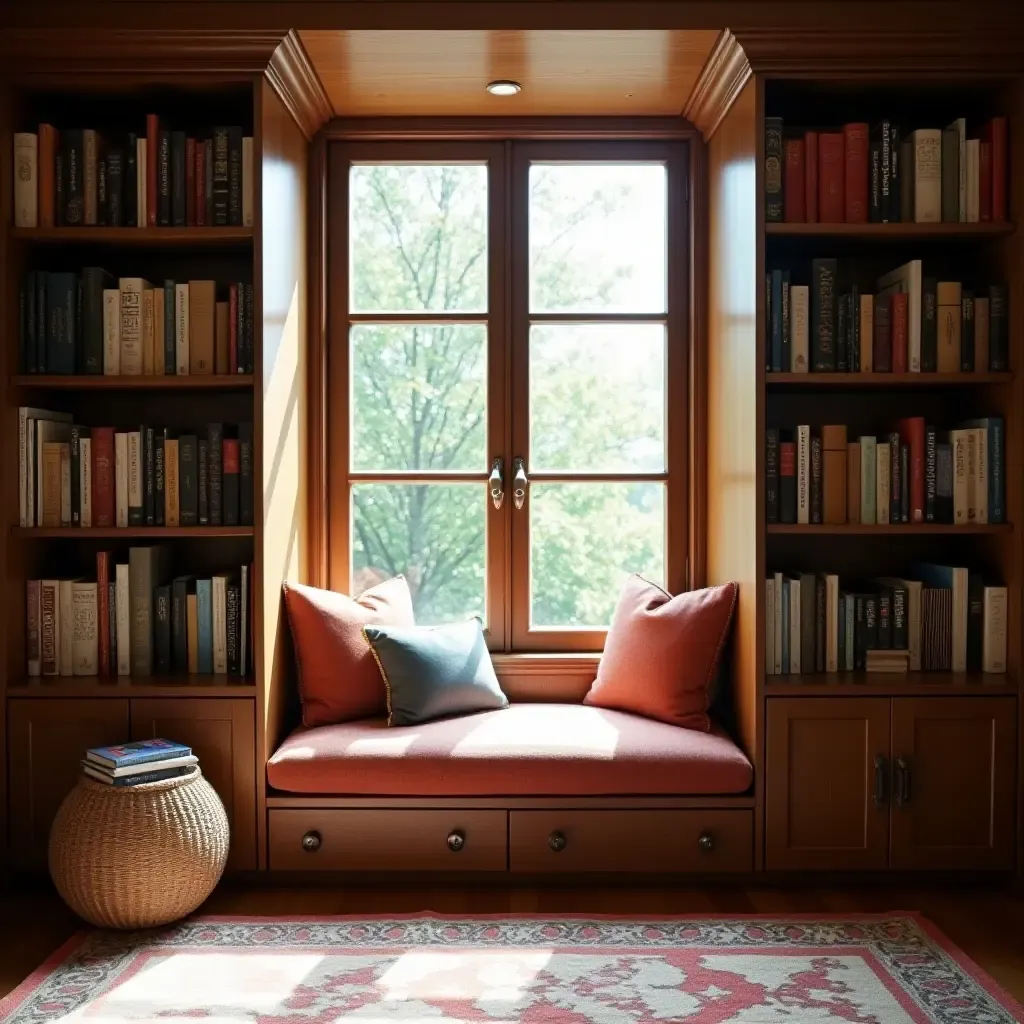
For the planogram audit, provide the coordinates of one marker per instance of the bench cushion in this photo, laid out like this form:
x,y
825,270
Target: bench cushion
x,y
524,750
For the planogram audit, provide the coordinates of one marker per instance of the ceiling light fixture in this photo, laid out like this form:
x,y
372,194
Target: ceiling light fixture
x,y
503,87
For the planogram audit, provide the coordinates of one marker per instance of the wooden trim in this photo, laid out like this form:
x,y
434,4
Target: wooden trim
x,y
589,803
318,482
292,76
534,129
187,382
559,678
721,80
894,232
697,471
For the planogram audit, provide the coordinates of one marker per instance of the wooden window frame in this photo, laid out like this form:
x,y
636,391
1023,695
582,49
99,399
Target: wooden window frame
x,y
470,139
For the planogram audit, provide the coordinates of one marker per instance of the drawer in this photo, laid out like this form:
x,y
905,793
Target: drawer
x,y
343,840
642,841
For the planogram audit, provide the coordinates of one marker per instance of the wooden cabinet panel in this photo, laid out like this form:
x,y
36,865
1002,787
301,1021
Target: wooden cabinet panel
x,y
960,758
221,733
388,840
659,842
820,783
46,740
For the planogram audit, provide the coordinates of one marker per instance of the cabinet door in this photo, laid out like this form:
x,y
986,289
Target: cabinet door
x,y
47,737
954,760
825,770
222,735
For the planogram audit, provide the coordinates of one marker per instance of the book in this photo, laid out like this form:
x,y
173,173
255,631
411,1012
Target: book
x,y
960,440
787,482
907,279
799,306
794,185
984,181
182,319
869,466
204,620
898,331
121,479
981,329
856,177
156,298
215,465
76,474
147,569
142,165
775,321
975,620
998,330
221,336
994,616
192,631
158,775
966,331
831,177
84,629
65,630
773,170
136,491
959,127
181,586
50,505
816,501
199,172
162,629
49,627
248,182
883,454
948,317
133,771
234,175
90,176
992,432
803,475
834,448
950,157
201,303
811,176
823,314
131,326
230,481
927,172
103,612
944,482
221,182
170,328
112,331
188,480
72,147
26,180
61,323
785,627
218,597
114,162
179,179
33,652
882,334
171,490
123,755
103,445
954,579
883,135
929,325
155,176
46,165
853,481
912,433
771,463
973,195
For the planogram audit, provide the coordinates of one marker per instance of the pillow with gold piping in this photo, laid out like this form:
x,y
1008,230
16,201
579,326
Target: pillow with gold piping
x,y
435,671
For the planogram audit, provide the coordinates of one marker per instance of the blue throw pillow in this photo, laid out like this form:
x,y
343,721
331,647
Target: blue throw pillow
x,y
434,672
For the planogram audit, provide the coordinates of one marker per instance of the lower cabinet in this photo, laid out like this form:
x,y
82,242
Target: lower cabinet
x,y
907,783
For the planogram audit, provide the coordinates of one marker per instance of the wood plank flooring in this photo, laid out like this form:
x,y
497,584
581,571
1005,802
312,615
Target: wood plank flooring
x,y
988,924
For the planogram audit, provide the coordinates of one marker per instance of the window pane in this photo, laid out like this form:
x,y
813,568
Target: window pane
x,y
418,236
597,397
434,534
419,397
598,238
585,539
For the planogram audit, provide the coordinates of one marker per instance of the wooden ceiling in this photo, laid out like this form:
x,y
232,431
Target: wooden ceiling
x,y
563,73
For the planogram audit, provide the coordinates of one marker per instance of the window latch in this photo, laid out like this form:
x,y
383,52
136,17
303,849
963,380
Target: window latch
x,y
496,482
519,483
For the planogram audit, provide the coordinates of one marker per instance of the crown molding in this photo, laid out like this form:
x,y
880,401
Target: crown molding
x,y
725,73
292,76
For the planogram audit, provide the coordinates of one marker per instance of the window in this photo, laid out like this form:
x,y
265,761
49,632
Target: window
x,y
508,379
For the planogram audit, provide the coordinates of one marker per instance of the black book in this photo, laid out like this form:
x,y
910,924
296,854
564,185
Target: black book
x,y
775,324
898,615
102,200
61,329
245,474
59,188
895,479
249,331
204,493
882,134
188,480
819,624
842,327
884,599
860,636
42,321
163,178
29,324
208,174
221,179
998,336
170,331
149,477
815,479
975,621
930,446
179,179
233,600
115,187
929,326
768,307
870,622
76,473
853,330
875,182
130,190
966,331
159,498
230,483
215,463
944,481
773,170
896,176
162,661
904,484
823,314
180,588
235,176
94,280
787,482
787,359
73,150
771,466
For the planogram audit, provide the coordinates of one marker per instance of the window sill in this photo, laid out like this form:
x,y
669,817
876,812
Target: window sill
x,y
561,678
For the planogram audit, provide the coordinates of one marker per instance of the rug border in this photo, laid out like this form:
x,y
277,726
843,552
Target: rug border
x,y
10,1002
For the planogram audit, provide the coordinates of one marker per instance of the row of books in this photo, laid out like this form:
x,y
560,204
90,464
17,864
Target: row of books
x,y
132,764
863,174
940,618
79,177
915,474
134,620
70,475
910,323
93,323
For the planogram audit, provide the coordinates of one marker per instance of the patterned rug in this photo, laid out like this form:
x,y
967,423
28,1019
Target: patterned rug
x,y
770,970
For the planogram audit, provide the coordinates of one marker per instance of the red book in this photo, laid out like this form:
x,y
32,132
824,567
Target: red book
x,y
882,354
152,159
103,609
233,329
200,184
190,183
46,171
997,131
794,186
985,180
898,317
856,191
103,476
811,176
912,435
831,172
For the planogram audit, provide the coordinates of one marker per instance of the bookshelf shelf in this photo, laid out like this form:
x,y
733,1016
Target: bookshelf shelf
x,y
186,382
127,532
136,237
881,684
893,232
126,686
885,380
901,529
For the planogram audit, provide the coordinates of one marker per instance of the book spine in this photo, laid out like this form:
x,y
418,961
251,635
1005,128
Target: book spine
x,y
973,180
203,501
76,475
181,315
842,333
61,307
103,612
188,480
65,485
811,177
794,193
929,326
966,331
102,193
149,193
868,468
249,332
981,334
131,362
85,629
898,331
136,496
92,320
901,175
233,318
129,186
772,475
204,616
147,466
90,191
162,629
773,170
875,182
164,178
816,499
159,497
856,191
961,477
230,482
171,489
949,315
123,618
143,572
787,482
799,305
120,479
985,181
42,321
190,182
997,470
103,476
208,165
220,639
221,177
998,329
823,314
233,624
201,303
882,479
235,176
884,621
49,627
214,449
831,177
179,180
895,479
33,653
115,188
882,358
65,657
179,636
803,474
248,182
85,481
26,180
112,331
200,183
72,147
994,616
50,490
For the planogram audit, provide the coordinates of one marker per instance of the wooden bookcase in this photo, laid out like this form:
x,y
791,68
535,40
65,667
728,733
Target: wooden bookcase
x,y
46,723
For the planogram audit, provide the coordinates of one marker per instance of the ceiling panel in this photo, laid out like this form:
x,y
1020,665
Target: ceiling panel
x,y
583,73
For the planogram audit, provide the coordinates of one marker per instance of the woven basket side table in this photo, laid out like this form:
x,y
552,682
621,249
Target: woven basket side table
x,y
138,856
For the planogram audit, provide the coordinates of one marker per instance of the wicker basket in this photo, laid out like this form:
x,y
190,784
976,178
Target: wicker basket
x,y
138,856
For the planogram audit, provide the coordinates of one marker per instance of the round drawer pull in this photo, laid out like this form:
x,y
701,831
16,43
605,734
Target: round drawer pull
x,y
556,841
456,841
311,842
706,841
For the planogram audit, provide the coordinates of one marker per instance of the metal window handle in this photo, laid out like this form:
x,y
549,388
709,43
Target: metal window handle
x,y
496,482
902,782
880,781
519,483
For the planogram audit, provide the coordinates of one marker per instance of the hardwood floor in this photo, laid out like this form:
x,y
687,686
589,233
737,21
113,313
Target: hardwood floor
x,y
987,924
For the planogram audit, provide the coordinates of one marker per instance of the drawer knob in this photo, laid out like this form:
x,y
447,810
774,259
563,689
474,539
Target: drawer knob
x,y
311,842
456,841
556,841
706,841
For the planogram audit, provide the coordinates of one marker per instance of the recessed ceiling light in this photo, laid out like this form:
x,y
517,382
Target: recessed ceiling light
x,y
503,87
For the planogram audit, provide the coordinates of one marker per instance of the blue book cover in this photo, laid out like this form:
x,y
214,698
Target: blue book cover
x,y
785,627
61,316
849,627
139,752
996,431
204,613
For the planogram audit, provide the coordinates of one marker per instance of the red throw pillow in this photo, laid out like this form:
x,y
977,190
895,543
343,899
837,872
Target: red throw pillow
x,y
662,652
338,676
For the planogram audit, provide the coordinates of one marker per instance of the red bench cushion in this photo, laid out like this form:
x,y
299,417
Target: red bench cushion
x,y
524,750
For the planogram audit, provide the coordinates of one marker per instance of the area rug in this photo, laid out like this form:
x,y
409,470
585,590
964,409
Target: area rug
x,y
770,970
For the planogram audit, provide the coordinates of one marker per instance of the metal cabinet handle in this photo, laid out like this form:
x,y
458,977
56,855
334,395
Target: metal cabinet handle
x,y
311,842
706,842
456,841
881,781
556,841
496,482
519,482
902,782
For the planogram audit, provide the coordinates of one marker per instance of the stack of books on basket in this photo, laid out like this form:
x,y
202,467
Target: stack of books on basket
x,y
131,764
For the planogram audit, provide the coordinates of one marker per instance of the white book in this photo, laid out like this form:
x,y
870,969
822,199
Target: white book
x,y
135,475
777,622
26,450
131,289
65,485
926,147
84,629
993,643
868,468
111,331
49,639
120,479
799,305
972,476
30,486
248,184
794,625
219,600
973,180
831,623
139,769
980,477
148,333
908,279
769,627
90,186
46,430
85,481
123,620
960,124
883,454
803,474
243,634
140,182
181,349
66,634
26,180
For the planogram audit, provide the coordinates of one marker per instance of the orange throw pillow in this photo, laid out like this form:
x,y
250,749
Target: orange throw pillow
x,y
662,652
338,677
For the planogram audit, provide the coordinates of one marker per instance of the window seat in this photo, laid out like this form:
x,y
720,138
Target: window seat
x,y
529,749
